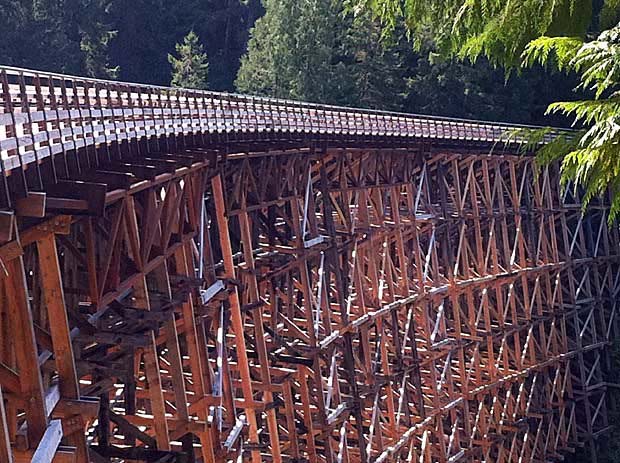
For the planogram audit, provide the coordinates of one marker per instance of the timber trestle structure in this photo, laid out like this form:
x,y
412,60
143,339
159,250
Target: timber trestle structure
x,y
191,276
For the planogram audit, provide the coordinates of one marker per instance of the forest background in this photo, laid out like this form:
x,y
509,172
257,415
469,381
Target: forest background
x,y
313,50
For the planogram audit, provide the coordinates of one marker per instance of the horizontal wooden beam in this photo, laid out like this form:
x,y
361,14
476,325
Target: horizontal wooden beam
x,y
32,206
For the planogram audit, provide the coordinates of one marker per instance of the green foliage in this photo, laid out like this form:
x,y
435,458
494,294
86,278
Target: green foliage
x,y
350,60
95,36
126,39
440,86
59,35
190,68
593,161
497,29
149,29
540,51
292,52
610,14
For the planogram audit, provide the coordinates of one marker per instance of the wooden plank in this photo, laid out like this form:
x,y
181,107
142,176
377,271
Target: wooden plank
x,y
85,406
196,352
129,429
153,374
9,379
59,224
93,194
64,454
7,225
54,300
52,397
253,297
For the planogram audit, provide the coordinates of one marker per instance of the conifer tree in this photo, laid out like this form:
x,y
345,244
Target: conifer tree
x,y
70,36
95,34
317,51
291,52
190,67
312,51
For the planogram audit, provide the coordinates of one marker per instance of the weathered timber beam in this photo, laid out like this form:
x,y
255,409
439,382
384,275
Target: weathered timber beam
x,y
32,205
27,353
9,379
92,194
63,454
7,225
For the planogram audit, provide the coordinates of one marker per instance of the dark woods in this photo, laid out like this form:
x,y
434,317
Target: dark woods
x,y
125,39
310,50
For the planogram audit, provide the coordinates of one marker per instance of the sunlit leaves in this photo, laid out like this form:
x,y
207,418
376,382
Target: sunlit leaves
x,y
594,163
190,67
497,29
542,49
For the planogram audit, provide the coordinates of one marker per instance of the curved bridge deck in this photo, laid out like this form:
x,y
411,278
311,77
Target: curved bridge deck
x,y
62,121
195,276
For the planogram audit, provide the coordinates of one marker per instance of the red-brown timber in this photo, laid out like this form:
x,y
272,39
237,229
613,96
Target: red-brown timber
x,y
190,276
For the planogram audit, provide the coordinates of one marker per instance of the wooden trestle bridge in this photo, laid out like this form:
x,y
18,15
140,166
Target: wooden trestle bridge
x,y
192,276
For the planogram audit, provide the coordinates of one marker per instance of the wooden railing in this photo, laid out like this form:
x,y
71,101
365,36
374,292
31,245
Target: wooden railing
x,y
43,114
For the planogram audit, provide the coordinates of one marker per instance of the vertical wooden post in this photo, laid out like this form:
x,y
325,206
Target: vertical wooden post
x,y
235,307
59,323
183,267
253,297
59,328
26,352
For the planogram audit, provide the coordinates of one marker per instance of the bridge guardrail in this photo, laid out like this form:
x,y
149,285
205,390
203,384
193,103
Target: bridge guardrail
x,y
43,114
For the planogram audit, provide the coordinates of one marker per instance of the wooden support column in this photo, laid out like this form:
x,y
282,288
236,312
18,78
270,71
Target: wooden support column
x,y
151,358
261,347
340,295
184,267
59,328
49,443
237,318
26,350
156,395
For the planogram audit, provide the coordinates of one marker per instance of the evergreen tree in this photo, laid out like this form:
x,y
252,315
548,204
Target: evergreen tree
x,y
149,29
57,35
445,87
312,51
190,68
96,33
499,30
357,64
291,51
374,69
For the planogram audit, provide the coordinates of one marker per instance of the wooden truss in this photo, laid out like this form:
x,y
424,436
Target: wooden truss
x,y
293,298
